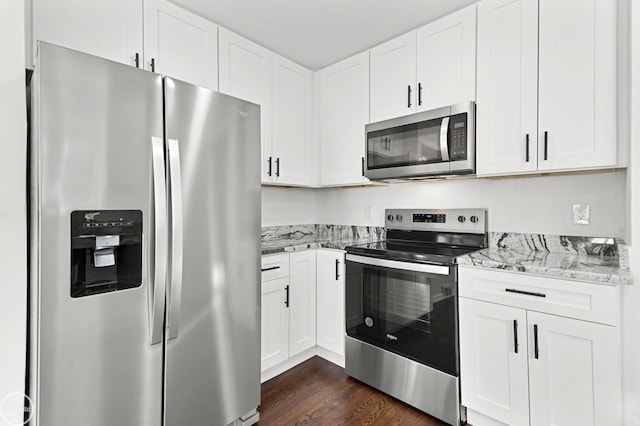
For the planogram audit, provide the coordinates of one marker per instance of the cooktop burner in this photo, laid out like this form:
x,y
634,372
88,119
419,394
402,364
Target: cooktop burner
x,y
428,236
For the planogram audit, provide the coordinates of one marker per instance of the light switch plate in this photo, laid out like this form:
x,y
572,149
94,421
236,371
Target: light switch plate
x,y
581,214
367,212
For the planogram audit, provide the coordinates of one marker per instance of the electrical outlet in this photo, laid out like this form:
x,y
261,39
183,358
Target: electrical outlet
x,y
581,214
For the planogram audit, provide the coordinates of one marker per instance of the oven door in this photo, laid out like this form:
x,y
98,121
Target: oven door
x,y
406,308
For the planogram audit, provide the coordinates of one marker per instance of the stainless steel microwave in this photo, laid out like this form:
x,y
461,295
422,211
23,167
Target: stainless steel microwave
x,y
430,143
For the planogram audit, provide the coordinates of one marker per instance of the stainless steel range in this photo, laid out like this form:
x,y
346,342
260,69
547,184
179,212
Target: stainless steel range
x,y
401,307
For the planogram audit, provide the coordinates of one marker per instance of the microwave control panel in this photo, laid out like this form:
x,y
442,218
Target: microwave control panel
x,y
458,139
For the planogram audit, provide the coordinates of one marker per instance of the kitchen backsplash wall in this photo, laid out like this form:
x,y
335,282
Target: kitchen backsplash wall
x,y
536,205
288,206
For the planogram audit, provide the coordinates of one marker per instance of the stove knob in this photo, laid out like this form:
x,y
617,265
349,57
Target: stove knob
x,y
473,219
390,218
461,219
399,217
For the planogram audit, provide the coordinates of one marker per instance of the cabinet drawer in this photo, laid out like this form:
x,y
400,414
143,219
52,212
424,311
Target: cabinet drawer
x,y
275,266
574,299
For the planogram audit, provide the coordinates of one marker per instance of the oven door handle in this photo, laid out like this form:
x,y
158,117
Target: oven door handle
x,y
404,266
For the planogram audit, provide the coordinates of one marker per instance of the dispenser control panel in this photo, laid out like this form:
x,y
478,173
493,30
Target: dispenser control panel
x,y
106,251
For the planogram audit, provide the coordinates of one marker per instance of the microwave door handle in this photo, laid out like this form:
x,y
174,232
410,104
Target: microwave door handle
x,y
444,132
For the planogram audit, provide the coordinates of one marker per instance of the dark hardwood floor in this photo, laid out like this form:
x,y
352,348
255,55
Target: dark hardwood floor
x,y
319,392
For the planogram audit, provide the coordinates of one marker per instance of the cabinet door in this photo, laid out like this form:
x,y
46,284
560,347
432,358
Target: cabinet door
x,y
493,361
393,78
245,72
575,376
330,301
302,301
275,323
109,29
577,95
447,60
181,44
507,103
344,111
291,149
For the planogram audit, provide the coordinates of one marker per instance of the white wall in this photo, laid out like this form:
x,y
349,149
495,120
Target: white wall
x,y
631,294
288,206
539,204
12,200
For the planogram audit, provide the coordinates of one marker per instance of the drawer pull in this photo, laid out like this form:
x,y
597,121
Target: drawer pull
x,y
272,268
527,293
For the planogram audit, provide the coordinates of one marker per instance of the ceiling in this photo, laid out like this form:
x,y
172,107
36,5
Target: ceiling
x,y
318,33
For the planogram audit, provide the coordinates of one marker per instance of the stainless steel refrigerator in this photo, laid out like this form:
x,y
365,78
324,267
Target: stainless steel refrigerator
x,y
144,248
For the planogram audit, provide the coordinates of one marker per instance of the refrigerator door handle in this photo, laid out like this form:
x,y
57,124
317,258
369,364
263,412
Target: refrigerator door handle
x,y
175,289
159,266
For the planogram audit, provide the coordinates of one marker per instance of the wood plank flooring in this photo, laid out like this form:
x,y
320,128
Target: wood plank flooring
x,y
320,393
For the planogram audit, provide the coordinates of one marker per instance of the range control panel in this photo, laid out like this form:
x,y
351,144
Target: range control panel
x,y
449,220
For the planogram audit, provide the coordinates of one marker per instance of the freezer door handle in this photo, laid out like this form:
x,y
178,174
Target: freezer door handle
x,y
175,286
159,265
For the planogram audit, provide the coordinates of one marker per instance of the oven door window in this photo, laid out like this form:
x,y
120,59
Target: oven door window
x,y
412,314
408,145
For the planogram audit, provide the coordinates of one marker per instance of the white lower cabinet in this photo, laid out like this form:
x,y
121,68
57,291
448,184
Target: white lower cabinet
x,y
302,301
330,302
288,327
275,323
494,375
520,366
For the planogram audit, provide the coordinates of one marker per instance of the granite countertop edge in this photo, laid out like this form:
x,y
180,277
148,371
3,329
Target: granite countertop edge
x,y
293,246
487,259
607,275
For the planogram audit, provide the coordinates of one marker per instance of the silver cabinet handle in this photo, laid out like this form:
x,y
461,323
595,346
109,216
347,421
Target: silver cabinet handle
x,y
159,266
175,288
444,132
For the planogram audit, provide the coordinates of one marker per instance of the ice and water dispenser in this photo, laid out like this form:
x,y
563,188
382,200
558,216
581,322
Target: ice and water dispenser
x,y
106,251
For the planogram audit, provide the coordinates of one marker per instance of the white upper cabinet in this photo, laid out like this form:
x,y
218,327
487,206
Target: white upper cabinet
x,y
180,44
109,29
431,67
245,72
446,60
290,152
506,110
393,78
344,111
549,80
577,104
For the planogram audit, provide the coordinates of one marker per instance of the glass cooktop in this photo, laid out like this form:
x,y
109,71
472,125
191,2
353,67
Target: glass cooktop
x,y
411,251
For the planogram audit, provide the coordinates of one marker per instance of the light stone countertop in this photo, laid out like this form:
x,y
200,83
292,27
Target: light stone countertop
x,y
596,260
